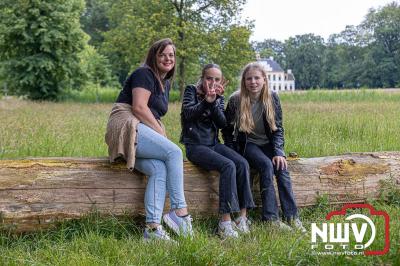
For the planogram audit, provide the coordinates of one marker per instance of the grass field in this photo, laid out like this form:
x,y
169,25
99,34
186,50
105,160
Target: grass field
x,y
338,123
317,123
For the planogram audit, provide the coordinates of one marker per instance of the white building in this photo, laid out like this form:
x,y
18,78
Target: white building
x,y
278,80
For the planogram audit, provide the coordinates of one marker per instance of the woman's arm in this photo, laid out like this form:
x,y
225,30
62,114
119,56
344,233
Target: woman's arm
x,y
227,131
191,109
278,135
140,98
217,112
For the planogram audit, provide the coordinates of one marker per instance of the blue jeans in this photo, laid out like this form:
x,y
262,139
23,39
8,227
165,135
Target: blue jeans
x,y
234,181
260,158
162,162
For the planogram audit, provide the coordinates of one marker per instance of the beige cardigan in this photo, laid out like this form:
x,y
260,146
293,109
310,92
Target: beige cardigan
x,y
121,135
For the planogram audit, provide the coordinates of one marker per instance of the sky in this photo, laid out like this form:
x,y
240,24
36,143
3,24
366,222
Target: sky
x,y
281,19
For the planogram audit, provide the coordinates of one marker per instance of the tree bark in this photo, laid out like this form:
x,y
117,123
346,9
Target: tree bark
x,y
37,192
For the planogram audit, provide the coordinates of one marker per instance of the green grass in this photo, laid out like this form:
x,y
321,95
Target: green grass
x,y
355,95
327,127
111,241
93,93
336,123
320,129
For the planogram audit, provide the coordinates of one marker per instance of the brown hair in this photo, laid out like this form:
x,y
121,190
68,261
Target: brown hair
x,y
151,58
246,118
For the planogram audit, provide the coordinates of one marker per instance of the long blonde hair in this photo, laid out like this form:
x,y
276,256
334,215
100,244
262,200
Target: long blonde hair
x,y
245,115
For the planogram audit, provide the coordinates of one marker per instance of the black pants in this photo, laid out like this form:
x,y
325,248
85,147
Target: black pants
x,y
234,183
260,158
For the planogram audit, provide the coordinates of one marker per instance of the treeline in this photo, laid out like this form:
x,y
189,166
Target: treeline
x,y
366,55
48,48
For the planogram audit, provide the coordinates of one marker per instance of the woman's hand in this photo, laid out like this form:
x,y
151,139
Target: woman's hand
x,y
280,162
211,95
140,98
220,87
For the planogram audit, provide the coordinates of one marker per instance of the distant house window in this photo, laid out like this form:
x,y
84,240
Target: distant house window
x,y
269,77
285,87
279,77
279,88
274,88
290,86
273,77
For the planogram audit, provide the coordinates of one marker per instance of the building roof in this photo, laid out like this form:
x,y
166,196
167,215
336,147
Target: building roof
x,y
270,64
290,76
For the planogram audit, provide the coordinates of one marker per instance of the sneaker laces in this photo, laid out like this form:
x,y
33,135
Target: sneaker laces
x,y
242,219
188,220
242,224
162,232
228,230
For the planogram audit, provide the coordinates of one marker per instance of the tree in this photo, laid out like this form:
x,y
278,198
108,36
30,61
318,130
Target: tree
x,y
227,54
39,45
271,47
343,56
94,20
96,67
201,16
383,25
200,30
304,55
134,25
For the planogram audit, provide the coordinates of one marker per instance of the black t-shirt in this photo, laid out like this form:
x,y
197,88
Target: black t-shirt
x,y
144,78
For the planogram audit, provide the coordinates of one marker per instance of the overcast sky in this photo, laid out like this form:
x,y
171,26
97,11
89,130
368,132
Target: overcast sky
x,y
281,19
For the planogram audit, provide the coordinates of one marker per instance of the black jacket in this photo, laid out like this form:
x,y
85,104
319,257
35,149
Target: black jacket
x,y
200,119
238,140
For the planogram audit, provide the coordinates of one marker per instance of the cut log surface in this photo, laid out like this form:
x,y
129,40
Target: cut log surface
x,y
37,192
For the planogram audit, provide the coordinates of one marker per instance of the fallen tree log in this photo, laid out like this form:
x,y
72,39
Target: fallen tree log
x,y
35,193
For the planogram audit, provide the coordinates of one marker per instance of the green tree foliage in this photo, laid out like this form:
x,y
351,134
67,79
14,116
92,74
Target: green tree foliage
x,y
304,57
94,20
96,68
343,55
135,24
227,54
383,26
203,31
271,47
367,55
197,20
39,45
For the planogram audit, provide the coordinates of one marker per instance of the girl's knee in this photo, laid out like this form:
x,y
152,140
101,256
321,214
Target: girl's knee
x,y
243,164
266,167
228,165
175,152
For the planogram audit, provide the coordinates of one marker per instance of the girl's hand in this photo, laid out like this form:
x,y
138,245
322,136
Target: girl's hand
x,y
280,162
220,88
211,95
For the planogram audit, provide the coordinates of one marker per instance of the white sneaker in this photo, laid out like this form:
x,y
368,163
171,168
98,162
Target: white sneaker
x,y
298,225
281,225
157,233
225,230
180,225
242,224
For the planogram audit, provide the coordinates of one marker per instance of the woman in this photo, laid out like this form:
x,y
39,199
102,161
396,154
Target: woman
x,y
202,116
254,118
134,130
